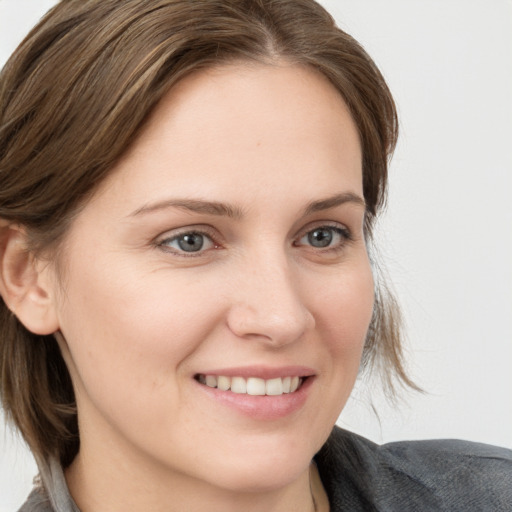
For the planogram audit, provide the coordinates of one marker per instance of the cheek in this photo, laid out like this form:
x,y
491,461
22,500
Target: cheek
x,y
129,332
343,312
343,319
346,309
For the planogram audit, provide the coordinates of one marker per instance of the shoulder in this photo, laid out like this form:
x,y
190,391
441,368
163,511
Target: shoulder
x,y
422,475
51,493
36,502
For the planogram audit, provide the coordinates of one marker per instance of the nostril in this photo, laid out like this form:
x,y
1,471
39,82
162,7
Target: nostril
x,y
274,323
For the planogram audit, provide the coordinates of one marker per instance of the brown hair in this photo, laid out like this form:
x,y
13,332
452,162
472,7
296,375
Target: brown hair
x,y
76,93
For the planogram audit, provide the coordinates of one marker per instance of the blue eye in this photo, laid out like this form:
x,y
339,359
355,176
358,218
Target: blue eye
x,y
325,237
191,242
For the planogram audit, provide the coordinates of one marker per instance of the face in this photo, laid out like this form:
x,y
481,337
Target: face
x,y
225,249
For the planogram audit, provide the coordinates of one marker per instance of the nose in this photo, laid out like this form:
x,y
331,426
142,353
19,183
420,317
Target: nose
x,y
268,305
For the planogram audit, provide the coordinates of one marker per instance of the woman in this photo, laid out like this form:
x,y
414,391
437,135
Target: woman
x,y
187,200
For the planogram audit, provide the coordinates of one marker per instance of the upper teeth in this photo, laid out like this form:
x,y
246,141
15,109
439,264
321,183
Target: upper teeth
x,y
252,385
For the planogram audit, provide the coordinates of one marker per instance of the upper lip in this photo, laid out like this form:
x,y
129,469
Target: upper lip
x,y
262,372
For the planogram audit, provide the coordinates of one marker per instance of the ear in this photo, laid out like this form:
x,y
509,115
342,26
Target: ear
x,y
26,283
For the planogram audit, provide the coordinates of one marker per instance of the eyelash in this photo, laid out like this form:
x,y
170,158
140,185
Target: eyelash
x,y
343,232
163,244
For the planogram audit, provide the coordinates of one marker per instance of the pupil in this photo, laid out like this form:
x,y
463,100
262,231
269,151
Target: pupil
x,y
320,237
191,242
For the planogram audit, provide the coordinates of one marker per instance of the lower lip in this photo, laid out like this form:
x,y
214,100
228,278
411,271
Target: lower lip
x,y
262,407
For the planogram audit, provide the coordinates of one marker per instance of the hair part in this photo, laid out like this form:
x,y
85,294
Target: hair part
x,y
75,95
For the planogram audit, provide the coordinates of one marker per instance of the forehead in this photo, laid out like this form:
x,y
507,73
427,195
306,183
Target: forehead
x,y
244,127
246,102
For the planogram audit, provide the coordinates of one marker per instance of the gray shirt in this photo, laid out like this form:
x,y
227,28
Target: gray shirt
x,y
359,475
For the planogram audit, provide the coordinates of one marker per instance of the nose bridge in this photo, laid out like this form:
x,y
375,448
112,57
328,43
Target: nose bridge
x,y
268,301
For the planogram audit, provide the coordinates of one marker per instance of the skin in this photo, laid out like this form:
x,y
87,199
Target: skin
x,y
138,318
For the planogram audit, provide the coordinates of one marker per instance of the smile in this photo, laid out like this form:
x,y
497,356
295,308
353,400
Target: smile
x,y
252,385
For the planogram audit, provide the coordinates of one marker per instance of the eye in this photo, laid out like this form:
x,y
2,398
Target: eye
x,y
325,237
188,242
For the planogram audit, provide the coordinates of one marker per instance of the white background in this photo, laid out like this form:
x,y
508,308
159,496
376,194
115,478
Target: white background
x,y
447,235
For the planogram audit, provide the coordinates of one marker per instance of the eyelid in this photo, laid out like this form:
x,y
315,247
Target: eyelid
x,y
337,226
342,230
213,235
173,234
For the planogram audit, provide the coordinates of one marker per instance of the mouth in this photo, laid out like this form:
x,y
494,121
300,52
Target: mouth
x,y
261,393
253,386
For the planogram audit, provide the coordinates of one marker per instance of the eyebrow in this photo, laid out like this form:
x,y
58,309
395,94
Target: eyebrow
x,y
333,201
235,212
193,205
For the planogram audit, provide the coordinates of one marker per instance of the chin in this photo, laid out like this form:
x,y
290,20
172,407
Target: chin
x,y
262,466
259,477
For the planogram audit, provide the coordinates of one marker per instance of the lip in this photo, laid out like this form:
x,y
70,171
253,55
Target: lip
x,y
261,407
262,372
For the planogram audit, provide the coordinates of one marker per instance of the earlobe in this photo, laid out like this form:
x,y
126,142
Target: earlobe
x,y
25,284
